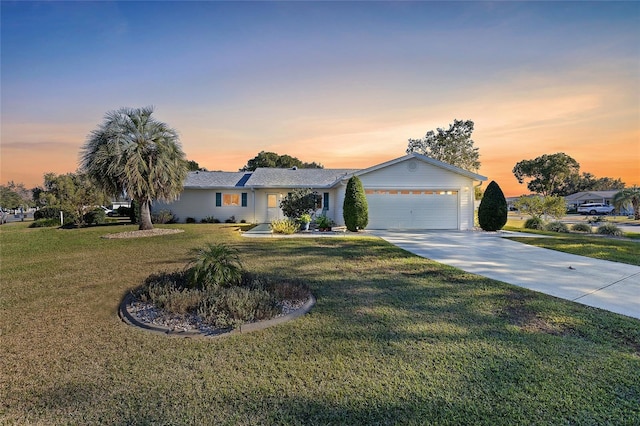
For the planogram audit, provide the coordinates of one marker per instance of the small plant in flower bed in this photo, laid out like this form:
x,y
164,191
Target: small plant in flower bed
x,y
163,216
581,227
209,219
216,288
284,226
610,229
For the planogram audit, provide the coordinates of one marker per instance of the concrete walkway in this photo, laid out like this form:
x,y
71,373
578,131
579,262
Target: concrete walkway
x,y
602,284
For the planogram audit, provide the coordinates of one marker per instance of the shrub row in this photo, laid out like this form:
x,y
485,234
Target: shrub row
x,y
606,229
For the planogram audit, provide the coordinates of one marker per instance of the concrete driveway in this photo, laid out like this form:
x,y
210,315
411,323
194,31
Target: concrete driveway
x,y
599,283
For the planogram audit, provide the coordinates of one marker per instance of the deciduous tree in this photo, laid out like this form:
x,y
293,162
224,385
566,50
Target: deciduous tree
x,y
452,146
539,206
547,173
271,159
73,193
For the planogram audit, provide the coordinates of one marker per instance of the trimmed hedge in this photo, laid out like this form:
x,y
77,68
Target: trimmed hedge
x,y
492,213
355,207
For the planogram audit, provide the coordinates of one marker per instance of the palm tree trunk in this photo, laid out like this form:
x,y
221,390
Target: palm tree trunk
x,y
145,216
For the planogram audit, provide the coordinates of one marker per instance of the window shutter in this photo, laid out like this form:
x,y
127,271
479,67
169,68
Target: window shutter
x,y
218,199
244,199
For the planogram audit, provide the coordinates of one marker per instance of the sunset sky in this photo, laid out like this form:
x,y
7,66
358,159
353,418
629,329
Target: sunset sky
x,y
345,84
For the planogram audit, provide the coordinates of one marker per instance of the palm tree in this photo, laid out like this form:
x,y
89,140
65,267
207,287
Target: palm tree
x,y
627,197
133,152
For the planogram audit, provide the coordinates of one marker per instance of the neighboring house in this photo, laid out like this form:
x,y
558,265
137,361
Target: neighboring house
x,y
410,192
604,197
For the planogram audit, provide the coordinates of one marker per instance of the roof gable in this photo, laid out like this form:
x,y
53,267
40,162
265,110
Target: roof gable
x,y
591,194
425,159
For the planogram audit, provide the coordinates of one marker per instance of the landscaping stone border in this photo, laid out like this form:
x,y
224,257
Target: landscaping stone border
x,y
129,319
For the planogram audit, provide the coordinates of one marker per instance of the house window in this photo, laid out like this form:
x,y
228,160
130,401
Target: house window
x,y
230,200
325,201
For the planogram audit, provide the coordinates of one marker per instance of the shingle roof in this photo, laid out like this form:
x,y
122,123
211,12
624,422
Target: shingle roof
x,y
216,179
267,178
296,178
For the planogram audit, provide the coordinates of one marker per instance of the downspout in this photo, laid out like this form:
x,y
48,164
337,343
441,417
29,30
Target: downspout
x,y
253,192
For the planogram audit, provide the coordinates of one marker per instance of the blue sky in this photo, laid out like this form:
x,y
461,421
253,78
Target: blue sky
x,y
342,83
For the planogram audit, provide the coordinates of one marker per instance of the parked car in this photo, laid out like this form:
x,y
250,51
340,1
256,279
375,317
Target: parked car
x,y
3,216
595,208
106,210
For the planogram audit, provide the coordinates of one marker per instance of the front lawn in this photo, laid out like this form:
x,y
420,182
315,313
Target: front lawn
x,y
392,339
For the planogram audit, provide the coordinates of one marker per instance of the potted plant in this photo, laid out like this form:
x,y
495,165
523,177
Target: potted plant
x,y
305,220
324,223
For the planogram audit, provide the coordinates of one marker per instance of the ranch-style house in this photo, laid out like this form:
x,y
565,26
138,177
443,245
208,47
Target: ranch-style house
x,y
409,192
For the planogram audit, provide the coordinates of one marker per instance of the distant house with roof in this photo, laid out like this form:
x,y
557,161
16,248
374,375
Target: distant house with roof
x,y
573,201
584,197
409,192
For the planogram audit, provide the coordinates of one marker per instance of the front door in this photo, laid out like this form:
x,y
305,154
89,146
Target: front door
x,y
273,209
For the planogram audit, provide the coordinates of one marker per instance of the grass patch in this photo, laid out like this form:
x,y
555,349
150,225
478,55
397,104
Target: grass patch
x,y
604,248
393,339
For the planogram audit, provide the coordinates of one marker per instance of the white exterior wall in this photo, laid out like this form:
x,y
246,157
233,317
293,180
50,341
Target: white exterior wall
x,y
201,203
416,174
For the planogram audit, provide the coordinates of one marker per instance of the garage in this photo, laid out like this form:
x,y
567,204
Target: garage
x,y
412,209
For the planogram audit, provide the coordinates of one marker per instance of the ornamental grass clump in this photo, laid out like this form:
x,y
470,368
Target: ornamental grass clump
x,y
534,223
284,226
610,229
170,291
215,265
556,227
581,227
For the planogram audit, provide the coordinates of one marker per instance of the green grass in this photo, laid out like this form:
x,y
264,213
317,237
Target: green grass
x,y
393,339
623,251
591,245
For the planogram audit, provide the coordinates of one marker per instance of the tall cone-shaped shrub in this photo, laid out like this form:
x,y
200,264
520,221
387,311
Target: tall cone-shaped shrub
x,y
492,213
355,208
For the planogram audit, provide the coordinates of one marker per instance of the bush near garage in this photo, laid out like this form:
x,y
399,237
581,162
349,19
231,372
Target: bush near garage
x,y
492,212
355,207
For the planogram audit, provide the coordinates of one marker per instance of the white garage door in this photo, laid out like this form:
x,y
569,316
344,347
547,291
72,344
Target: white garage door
x,y
412,209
